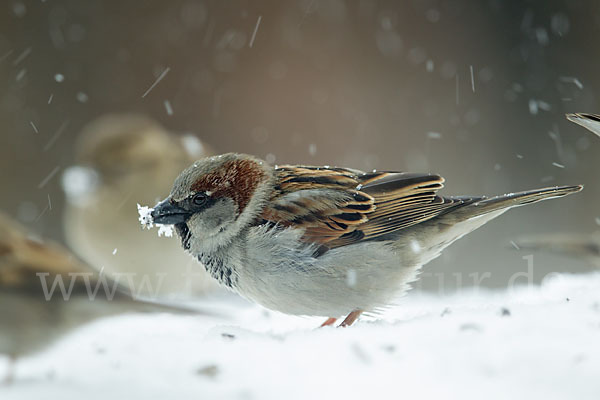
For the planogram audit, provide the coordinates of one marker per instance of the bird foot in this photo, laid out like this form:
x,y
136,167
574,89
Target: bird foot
x,y
349,320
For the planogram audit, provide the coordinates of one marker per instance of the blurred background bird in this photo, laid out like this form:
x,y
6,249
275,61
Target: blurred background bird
x,y
123,160
580,246
46,292
591,122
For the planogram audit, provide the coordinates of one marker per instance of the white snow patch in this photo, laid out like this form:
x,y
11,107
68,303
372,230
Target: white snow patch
x,y
145,214
540,342
166,230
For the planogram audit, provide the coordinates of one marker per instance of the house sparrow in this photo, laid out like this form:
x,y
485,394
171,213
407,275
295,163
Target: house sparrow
x,y
590,122
125,159
321,241
46,292
585,247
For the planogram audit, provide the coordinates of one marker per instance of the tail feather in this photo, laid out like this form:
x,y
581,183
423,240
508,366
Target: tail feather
x,y
470,213
488,205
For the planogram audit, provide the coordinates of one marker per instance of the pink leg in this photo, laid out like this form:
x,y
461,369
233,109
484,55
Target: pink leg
x,y
330,321
353,316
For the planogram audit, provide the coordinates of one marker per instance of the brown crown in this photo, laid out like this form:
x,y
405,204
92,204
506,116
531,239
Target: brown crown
x,y
236,179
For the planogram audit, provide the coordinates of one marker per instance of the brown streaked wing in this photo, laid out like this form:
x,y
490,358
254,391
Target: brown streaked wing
x,y
323,201
338,206
401,200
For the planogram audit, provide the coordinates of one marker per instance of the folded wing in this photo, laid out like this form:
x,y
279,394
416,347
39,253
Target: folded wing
x,y
339,206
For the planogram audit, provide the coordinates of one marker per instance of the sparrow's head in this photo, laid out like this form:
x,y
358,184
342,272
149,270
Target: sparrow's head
x,y
215,198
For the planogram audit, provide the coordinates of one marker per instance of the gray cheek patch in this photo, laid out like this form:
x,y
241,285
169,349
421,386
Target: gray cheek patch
x,y
214,219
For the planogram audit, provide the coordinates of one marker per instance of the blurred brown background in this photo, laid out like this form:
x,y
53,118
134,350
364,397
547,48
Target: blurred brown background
x,y
367,84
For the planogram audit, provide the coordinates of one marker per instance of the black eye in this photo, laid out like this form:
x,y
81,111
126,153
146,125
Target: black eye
x,y
199,199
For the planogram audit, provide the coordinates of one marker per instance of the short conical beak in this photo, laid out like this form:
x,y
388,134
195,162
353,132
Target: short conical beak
x,y
168,213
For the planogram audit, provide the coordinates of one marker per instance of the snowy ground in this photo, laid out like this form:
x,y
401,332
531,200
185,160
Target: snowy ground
x,y
526,343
